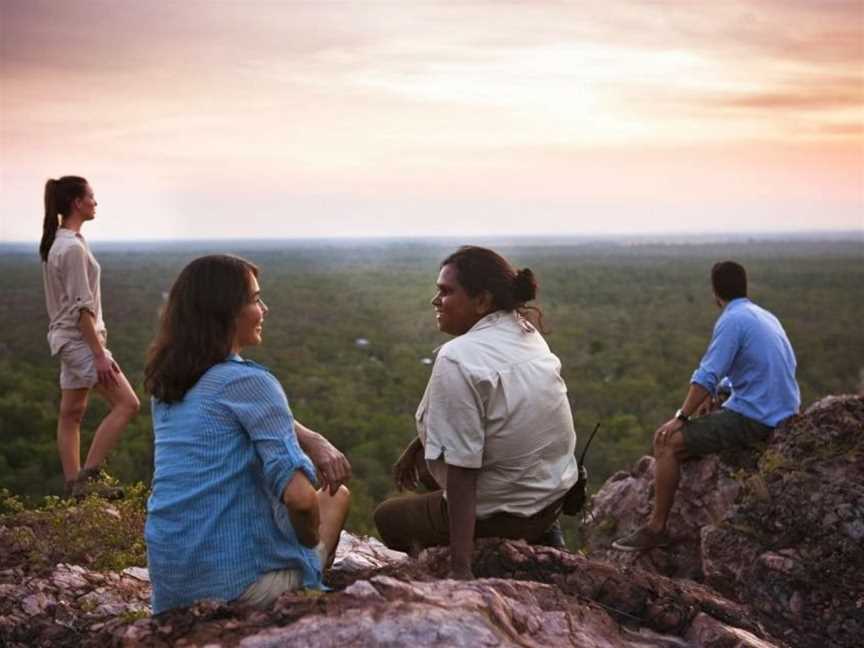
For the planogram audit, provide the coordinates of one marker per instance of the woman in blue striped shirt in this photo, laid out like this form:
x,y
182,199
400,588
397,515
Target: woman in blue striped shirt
x,y
233,514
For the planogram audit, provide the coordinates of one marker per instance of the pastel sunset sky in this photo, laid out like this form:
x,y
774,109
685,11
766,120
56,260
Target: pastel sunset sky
x,y
268,119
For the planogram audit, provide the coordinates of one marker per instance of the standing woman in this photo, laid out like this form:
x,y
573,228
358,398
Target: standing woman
x,y
77,334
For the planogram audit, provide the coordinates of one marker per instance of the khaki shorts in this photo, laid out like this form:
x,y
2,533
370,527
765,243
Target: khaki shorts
x,y
721,430
77,369
264,591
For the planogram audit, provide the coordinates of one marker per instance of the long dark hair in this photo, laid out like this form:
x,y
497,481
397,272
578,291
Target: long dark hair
x,y
482,270
198,324
59,195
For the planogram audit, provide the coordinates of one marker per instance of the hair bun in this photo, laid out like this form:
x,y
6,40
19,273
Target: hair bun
x,y
524,286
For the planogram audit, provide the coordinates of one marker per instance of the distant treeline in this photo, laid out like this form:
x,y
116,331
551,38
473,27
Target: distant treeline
x,y
629,323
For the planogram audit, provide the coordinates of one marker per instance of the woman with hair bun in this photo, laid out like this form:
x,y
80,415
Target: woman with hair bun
x,y
495,439
77,334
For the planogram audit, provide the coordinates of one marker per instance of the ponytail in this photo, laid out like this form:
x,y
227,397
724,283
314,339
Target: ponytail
x,y
59,195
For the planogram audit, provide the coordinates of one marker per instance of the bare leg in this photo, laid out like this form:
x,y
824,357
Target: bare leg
x,y
333,511
73,404
124,406
667,473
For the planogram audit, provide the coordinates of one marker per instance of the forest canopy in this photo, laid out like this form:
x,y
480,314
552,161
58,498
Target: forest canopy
x,y
351,331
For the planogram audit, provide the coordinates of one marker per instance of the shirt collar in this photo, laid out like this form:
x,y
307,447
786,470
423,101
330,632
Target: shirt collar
x,y
493,318
490,320
487,320
734,303
63,232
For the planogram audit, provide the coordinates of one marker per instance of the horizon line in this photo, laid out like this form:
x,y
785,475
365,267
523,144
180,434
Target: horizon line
x,y
812,234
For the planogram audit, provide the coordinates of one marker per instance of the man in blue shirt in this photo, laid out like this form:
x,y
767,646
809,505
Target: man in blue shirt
x,y
750,348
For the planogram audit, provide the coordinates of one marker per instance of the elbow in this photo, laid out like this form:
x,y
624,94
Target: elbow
x,y
299,495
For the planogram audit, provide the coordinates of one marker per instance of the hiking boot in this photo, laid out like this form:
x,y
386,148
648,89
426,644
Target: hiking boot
x,y
553,537
642,539
90,481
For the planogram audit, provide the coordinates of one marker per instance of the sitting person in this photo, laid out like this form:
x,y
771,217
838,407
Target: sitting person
x,y
233,514
750,367
494,426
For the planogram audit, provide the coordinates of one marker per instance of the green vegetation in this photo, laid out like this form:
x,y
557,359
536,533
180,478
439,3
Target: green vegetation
x,y
93,533
629,324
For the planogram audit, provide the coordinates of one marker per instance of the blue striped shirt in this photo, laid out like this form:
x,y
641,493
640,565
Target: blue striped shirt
x,y
750,346
223,456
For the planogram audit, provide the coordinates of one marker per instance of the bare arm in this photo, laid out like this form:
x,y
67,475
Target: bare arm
x,y
695,396
301,501
332,466
462,508
106,370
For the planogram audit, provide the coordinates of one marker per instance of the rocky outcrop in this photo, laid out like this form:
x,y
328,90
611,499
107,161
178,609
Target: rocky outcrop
x,y
781,530
771,543
525,596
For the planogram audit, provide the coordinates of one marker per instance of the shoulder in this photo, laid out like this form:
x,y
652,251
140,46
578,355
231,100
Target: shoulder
x,y
240,376
66,247
747,314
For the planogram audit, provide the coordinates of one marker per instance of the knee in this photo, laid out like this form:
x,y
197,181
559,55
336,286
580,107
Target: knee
x,y
343,497
72,413
672,448
385,522
129,407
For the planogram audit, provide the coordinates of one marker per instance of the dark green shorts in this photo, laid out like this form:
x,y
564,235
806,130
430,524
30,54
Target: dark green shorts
x,y
721,430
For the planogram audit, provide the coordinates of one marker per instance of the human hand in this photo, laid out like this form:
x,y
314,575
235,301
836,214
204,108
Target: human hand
x,y
664,433
331,465
405,473
106,370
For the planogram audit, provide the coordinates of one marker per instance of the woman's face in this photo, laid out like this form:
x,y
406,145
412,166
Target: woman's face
x,y
250,320
455,310
85,206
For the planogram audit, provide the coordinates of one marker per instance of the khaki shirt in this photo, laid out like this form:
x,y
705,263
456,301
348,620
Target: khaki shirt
x,y
496,401
71,280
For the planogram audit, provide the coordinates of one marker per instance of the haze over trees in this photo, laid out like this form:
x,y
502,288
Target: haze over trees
x,y
629,323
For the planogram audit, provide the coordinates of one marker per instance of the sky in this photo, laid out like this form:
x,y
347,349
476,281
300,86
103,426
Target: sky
x,y
266,119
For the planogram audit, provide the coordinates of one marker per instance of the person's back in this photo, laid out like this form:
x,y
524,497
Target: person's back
x,y
528,438
211,489
748,349
762,369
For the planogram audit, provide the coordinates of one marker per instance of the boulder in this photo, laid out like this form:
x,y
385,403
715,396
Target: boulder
x,y
780,531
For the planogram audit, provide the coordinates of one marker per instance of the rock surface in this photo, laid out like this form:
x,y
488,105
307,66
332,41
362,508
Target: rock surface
x,y
772,545
781,531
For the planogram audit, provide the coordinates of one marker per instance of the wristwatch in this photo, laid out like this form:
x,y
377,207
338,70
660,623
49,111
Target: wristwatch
x,y
681,416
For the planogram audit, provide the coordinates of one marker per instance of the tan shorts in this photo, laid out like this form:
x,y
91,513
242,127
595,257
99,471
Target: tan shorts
x,y
77,370
264,591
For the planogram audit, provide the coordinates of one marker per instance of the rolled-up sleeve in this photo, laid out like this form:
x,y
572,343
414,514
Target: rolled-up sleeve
x,y
454,419
73,273
721,352
259,403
